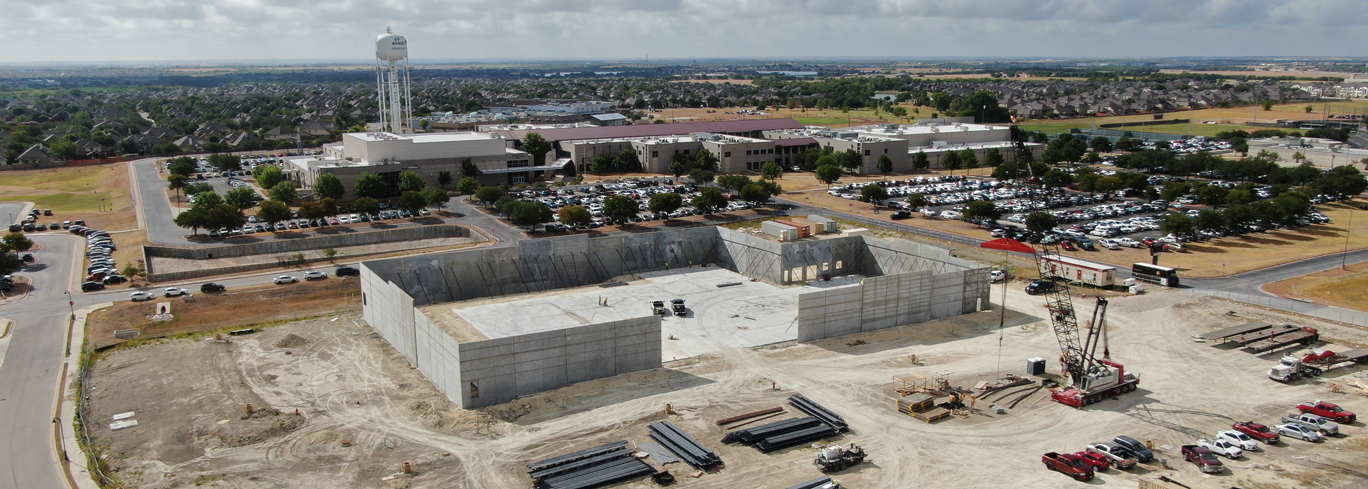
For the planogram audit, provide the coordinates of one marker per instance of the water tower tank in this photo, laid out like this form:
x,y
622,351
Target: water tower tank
x,y
391,47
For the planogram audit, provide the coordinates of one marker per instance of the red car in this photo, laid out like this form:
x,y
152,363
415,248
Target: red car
x,y
1256,431
1068,246
1094,459
1328,410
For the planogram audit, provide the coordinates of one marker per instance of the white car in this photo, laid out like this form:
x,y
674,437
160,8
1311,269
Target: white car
x,y
140,296
1128,242
1297,431
314,275
285,279
175,292
997,276
1108,244
1245,442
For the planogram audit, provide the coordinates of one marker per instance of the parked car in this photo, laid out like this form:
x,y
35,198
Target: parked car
x,y
1069,464
1132,445
1040,287
1119,457
346,271
212,287
1096,460
1245,442
114,279
1327,410
141,296
314,275
91,286
175,292
1298,431
1221,447
1256,431
1323,425
1203,459
285,279
900,215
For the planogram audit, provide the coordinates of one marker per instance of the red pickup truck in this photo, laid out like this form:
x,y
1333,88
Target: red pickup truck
x,y
1203,458
1069,464
1256,431
1327,410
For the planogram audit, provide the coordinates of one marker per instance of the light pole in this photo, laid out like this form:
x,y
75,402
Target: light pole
x,y
72,304
1344,258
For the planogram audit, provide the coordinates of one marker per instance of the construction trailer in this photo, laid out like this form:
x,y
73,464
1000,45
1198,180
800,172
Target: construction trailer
x,y
779,230
1082,271
828,225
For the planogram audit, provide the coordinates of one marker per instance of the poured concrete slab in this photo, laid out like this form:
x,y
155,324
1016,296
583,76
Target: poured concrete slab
x,y
750,314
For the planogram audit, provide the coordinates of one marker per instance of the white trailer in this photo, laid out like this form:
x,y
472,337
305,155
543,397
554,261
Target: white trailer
x,y
1083,271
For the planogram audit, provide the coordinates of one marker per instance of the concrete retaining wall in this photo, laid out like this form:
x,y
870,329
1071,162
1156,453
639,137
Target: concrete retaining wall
x,y
316,243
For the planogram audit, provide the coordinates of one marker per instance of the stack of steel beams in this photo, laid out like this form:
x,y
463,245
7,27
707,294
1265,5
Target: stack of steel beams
x,y
688,449
590,468
835,421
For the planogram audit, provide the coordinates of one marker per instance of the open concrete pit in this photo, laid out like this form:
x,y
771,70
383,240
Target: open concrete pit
x,y
349,384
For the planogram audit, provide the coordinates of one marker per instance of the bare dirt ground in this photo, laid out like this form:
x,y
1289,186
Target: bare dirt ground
x,y
349,385
1337,287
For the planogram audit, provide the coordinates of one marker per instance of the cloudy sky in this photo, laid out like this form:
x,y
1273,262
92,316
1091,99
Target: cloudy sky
x,y
153,30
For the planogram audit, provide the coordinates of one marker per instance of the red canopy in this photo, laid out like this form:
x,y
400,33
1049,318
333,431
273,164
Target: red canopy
x,y
1008,244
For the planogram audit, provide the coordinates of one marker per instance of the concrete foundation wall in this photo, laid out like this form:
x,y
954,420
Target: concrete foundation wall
x,y
355,238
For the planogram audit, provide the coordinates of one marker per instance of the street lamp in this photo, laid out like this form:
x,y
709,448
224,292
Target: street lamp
x,y
71,303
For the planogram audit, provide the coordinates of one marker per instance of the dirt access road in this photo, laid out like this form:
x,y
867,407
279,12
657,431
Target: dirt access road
x,y
190,396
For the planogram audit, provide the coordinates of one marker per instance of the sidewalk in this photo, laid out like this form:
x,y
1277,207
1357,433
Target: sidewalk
x,y
75,460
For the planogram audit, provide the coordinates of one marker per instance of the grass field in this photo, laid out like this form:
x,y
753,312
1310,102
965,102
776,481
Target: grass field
x,y
76,193
1225,119
811,117
1341,288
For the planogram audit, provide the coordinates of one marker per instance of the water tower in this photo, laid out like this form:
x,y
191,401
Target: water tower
x,y
392,77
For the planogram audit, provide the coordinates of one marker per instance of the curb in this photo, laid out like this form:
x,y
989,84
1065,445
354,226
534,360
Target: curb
x,y
68,449
12,300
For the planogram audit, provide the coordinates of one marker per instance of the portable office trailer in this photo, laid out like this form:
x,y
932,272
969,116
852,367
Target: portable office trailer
x,y
828,225
1074,269
779,230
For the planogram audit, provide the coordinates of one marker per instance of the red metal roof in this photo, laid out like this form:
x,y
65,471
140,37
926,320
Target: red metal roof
x,y
645,130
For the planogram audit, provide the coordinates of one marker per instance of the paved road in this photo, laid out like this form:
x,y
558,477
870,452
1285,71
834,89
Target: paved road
x,y
13,211
29,375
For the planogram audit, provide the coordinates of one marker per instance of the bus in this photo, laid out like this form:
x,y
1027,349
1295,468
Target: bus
x,y
1164,276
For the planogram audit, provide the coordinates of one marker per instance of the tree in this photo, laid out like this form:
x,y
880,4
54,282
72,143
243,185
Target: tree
x,y
443,178
225,162
709,200
574,215
1267,105
666,202
968,160
980,210
701,176
328,185
435,197
873,193
828,174
537,146
992,158
627,161
920,161
367,205
884,165
468,169
1109,184
528,213
950,160
1208,219
16,242
755,193
1177,223
1040,221
411,181
771,170
678,168
488,195
369,185
1240,196
916,200
207,200
1310,108
192,219
620,208
1057,179
1237,216
412,201
1212,195
328,206
285,192
851,161
268,176
242,198
1101,144
181,165
273,211
733,183
10,262
177,182
705,160
467,186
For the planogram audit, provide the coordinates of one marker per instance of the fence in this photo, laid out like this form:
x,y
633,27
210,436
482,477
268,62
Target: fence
x,y
1305,308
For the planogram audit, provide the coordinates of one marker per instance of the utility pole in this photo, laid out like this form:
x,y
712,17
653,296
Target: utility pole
x,y
1344,258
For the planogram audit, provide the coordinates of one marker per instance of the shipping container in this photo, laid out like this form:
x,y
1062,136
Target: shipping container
x,y
803,230
828,225
782,231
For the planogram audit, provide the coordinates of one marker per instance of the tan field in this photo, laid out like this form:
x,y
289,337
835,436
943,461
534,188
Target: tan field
x,y
1337,287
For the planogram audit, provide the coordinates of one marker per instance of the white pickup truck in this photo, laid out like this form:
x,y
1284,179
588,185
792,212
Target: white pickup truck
x,y
1221,447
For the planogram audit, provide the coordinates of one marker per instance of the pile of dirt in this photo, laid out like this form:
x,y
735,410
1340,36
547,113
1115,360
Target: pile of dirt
x,y
291,341
261,425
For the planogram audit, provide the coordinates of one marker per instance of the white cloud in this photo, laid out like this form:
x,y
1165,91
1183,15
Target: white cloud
x,y
114,30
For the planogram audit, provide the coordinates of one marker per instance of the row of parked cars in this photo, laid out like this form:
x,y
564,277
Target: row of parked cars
x,y
256,226
101,269
211,287
30,223
1312,422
